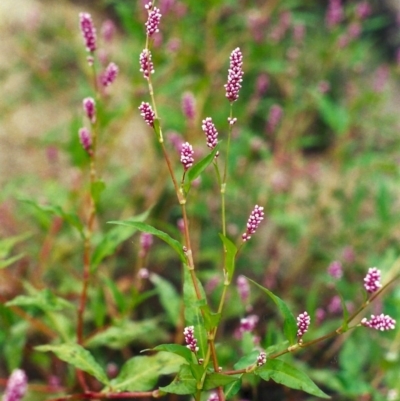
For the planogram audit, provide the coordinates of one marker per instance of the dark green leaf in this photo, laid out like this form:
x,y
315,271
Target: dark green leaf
x,y
119,297
233,388
177,349
184,382
211,319
282,373
214,380
247,360
230,256
289,325
78,357
177,246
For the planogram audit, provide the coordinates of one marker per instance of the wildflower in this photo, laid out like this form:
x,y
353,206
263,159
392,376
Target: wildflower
x,y
146,240
143,273
89,107
88,31
232,121
16,386
235,74
381,322
187,155
335,305
85,139
261,359
335,270
363,10
147,113
189,105
372,280
248,323
275,115
110,74
243,288
146,65
303,322
190,339
262,84
256,216
334,13
153,19
213,397
299,31
108,30
211,132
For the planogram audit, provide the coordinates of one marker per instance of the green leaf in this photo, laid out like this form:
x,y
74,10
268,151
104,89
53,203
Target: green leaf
x,y
44,300
70,218
14,344
184,382
169,297
199,167
141,373
96,188
176,349
119,297
233,388
7,262
7,244
174,244
211,319
214,380
78,357
247,360
123,333
289,324
282,373
230,256
193,315
112,239
336,116
345,325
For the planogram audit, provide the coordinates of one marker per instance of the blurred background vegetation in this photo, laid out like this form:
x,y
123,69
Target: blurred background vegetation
x,y
317,144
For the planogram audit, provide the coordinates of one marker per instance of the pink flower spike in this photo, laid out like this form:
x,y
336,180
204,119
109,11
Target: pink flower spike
x,y
89,107
235,75
243,288
147,113
189,105
110,74
372,280
303,322
85,139
146,65
211,132
335,270
256,217
16,386
261,359
381,322
190,339
153,19
88,31
248,323
108,30
187,153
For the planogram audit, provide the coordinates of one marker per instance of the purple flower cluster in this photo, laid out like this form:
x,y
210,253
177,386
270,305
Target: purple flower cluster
x,y
235,75
243,288
147,113
146,240
334,14
261,359
89,107
86,139
335,269
381,322
190,339
248,323
211,132
187,153
110,74
189,105
108,30
256,217
153,19
213,397
16,386
372,280
88,31
275,115
303,322
146,65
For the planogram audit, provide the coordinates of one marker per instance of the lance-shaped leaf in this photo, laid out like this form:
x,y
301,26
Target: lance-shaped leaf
x,y
289,323
146,228
230,255
78,357
7,244
233,388
282,373
176,349
7,262
214,380
184,382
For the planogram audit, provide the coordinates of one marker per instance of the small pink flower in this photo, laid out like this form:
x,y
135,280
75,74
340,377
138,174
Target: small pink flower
x,y
108,30
275,116
189,105
211,132
187,153
381,322
372,280
256,217
85,139
334,14
16,386
147,113
261,359
335,270
88,31
303,322
190,339
146,65
213,397
89,107
110,74
153,20
243,288
235,75
363,10
248,323
146,240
